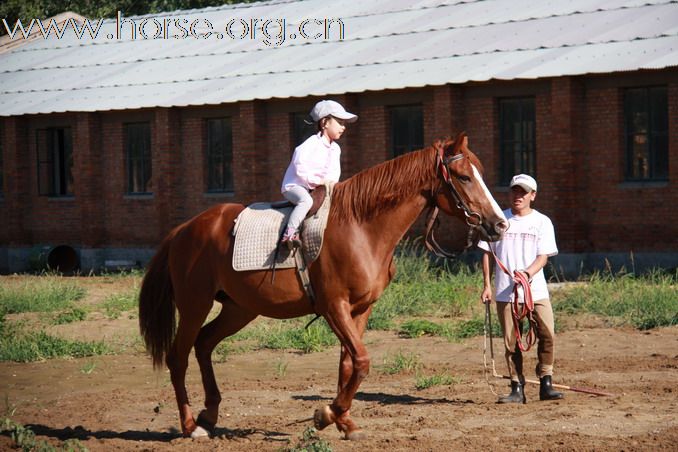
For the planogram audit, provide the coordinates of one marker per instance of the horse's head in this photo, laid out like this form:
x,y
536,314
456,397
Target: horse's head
x,y
463,190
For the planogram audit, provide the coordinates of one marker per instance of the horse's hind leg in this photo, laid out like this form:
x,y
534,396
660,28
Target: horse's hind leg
x,y
177,358
231,319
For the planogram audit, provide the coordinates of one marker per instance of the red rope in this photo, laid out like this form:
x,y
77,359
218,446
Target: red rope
x,y
520,281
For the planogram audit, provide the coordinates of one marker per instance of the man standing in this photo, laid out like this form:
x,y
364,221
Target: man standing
x,y
526,246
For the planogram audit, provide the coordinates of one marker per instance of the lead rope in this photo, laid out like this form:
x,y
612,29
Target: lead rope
x,y
521,284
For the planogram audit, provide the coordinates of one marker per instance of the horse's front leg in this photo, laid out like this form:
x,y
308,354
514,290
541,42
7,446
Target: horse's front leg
x,y
349,331
345,361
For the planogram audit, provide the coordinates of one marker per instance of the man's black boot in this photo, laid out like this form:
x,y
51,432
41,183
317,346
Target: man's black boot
x,y
546,391
517,394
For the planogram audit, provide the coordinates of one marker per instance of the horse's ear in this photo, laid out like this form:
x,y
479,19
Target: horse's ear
x,y
459,144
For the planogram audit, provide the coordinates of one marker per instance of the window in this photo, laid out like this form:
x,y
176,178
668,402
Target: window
x,y
301,130
407,128
138,155
219,155
55,161
647,145
517,138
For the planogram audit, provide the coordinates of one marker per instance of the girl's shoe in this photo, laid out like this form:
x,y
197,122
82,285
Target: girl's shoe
x,y
291,239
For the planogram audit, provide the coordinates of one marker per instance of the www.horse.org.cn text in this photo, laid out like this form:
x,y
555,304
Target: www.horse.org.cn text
x,y
270,32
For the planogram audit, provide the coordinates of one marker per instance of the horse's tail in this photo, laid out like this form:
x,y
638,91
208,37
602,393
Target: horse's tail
x,y
156,306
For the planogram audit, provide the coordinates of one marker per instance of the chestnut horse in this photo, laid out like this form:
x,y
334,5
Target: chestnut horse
x,y
369,215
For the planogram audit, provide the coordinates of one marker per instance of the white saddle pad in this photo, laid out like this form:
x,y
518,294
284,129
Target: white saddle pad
x,y
259,227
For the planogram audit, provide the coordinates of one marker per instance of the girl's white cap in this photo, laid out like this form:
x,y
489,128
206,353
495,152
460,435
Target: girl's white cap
x,y
331,108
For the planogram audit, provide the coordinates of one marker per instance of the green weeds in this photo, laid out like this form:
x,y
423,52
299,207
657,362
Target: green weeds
x,y
24,439
425,382
19,345
39,294
310,442
645,302
400,362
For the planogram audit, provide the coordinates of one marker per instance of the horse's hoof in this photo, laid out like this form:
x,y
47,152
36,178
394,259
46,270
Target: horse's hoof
x,y
204,422
200,432
323,417
355,435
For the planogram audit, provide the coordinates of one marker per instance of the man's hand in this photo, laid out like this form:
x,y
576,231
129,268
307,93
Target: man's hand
x,y
526,274
486,296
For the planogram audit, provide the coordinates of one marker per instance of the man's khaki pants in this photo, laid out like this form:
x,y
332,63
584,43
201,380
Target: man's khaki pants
x,y
543,315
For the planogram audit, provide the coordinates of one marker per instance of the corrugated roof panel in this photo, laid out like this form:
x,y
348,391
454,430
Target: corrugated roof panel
x,y
388,44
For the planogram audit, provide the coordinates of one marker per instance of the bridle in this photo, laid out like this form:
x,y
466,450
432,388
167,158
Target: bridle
x,y
473,218
441,165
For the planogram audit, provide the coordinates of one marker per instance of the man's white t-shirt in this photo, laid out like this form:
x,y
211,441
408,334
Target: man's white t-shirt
x,y
526,238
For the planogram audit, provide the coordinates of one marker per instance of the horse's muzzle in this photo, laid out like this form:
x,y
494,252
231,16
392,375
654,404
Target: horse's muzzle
x,y
494,232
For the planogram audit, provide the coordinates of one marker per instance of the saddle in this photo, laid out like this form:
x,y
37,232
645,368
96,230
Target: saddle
x,y
317,194
259,227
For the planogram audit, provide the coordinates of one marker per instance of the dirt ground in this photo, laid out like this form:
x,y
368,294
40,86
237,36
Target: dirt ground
x,y
119,402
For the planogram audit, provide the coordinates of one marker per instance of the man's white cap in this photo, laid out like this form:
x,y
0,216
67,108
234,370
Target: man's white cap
x,y
331,108
526,182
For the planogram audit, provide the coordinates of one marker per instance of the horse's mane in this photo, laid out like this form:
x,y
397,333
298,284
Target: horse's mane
x,y
380,187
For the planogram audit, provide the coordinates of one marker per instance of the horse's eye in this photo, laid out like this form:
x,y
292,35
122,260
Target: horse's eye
x,y
463,178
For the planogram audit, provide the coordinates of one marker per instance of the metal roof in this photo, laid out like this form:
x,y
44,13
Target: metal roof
x,y
387,44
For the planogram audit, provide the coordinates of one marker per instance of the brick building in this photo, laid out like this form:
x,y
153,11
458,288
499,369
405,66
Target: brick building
x,y
107,145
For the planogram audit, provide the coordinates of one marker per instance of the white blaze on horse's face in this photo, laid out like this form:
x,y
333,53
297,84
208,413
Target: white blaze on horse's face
x,y
497,210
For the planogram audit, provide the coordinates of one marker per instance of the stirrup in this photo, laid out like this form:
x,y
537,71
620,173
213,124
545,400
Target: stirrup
x,y
291,242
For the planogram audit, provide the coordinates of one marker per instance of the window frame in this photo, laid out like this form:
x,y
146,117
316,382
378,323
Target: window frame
x,y
412,142
653,134
222,158
54,162
526,143
144,157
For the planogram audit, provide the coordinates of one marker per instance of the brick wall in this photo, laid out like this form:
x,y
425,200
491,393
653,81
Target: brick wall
x,y
579,163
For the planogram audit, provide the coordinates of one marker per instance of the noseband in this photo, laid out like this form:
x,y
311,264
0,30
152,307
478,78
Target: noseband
x,y
473,219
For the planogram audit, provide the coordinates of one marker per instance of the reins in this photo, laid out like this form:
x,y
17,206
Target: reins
x,y
431,243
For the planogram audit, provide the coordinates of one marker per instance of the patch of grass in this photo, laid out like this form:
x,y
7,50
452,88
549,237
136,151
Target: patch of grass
x,y
419,327
114,305
40,294
281,367
290,334
24,439
381,319
309,442
316,337
27,346
473,327
400,362
88,368
70,316
450,330
425,287
424,382
645,302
